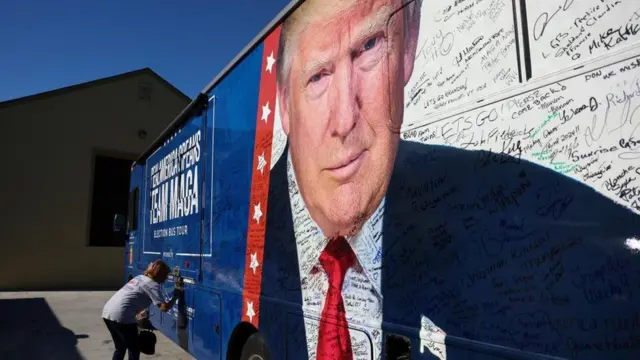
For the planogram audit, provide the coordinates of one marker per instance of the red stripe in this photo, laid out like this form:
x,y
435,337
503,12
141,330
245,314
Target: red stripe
x,y
260,182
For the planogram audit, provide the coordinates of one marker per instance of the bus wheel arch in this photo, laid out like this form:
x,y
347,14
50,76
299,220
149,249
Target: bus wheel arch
x,y
247,343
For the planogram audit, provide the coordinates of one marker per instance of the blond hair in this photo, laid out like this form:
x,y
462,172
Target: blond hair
x,y
411,12
157,268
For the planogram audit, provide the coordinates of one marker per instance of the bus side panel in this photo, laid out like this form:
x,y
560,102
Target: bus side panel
x,y
206,325
229,155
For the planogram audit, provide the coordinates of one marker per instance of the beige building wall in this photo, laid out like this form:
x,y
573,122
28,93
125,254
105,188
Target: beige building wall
x,y
48,143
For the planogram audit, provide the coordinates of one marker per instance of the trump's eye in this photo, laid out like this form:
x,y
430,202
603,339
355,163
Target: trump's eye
x,y
370,43
317,83
370,52
315,78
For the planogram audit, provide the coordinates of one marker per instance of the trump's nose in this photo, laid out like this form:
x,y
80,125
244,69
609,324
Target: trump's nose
x,y
345,100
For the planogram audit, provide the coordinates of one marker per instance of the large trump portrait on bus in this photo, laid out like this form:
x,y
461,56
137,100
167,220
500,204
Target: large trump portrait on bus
x,y
430,188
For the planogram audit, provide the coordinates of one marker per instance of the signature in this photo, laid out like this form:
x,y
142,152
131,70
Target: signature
x,y
628,117
440,44
551,200
613,37
544,19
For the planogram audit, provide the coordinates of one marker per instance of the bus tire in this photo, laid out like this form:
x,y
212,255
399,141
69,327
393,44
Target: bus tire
x,y
255,348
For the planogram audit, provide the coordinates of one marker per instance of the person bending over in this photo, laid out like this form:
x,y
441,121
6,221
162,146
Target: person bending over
x,y
119,313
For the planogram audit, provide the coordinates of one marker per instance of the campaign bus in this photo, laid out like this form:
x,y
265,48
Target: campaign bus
x,y
405,179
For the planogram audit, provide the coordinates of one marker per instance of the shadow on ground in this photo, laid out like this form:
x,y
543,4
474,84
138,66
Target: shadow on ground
x,y
29,330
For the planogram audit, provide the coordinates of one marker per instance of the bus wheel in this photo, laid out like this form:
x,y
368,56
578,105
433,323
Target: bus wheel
x,y
255,348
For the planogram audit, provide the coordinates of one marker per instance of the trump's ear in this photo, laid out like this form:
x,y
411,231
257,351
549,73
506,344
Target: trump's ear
x,y
283,99
411,43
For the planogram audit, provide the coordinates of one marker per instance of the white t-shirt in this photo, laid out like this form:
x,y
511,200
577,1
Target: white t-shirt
x,y
135,296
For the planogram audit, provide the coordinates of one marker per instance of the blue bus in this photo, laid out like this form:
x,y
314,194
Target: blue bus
x,y
399,179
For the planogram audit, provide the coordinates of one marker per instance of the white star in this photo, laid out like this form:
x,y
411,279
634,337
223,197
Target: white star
x,y
250,312
265,112
254,262
270,61
261,163
257,213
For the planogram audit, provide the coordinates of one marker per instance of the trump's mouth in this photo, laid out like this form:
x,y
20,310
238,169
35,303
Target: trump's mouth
x,y
347,167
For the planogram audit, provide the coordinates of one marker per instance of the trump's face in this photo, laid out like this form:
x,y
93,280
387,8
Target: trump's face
x,y
342,105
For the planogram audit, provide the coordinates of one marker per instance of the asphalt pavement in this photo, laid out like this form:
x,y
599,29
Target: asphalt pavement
x,y
63,325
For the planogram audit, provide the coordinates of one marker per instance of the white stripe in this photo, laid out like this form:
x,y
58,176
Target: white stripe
x,y
185,254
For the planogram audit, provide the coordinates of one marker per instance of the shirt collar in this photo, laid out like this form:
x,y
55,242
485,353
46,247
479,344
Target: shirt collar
x,y
310,241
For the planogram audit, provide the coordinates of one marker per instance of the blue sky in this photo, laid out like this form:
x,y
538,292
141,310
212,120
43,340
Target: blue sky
x,y
45,45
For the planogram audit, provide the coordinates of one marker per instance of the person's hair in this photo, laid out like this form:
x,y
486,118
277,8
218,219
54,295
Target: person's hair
x,y
156,268
411,12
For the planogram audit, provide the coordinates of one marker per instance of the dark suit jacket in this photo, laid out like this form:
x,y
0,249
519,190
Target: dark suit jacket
x,y
491,249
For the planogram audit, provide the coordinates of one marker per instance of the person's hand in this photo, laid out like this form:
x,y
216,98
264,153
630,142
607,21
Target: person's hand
x,y
142,315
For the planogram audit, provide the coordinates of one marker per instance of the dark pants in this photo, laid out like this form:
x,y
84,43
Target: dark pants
x,y
125,337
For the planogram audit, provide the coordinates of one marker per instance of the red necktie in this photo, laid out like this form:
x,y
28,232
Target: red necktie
x,y
334,342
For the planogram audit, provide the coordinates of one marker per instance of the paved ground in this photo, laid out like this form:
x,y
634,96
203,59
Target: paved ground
x,y
62,325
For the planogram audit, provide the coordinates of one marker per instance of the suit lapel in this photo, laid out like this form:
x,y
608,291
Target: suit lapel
x,y
281,277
